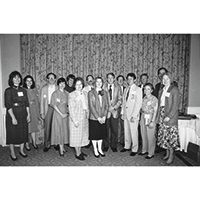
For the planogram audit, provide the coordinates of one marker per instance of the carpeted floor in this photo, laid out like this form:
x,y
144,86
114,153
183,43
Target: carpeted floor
x,y
52,158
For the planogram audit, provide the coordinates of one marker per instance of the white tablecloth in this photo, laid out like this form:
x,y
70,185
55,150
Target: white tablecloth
x,y
189,131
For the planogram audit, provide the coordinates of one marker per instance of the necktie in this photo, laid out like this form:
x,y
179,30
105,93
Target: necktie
x,y
127,93
110,92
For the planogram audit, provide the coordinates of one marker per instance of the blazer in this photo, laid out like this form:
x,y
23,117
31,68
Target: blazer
x,y
116,100
95,111
131,107
44,100
171,105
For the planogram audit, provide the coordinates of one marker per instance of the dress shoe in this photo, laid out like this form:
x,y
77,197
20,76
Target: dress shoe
x,y
14,159
46,149
35,146
102,155
105,149
28,149
149,157
114,149
23,155
142,154
56,147
84,154
124,150
133,153
80,157
61,154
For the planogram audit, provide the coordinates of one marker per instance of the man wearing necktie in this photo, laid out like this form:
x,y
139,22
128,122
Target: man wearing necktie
x,y
132,103
115,100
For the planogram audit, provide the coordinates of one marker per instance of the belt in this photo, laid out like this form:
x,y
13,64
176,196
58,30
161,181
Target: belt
x,y
19,104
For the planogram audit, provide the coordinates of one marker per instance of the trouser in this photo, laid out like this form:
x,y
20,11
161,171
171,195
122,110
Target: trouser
x,y
47,127
131,135
112,133
148,137
121,131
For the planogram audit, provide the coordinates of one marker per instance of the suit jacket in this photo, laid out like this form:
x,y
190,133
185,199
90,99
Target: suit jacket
x,y
94,105
116,99
131,107
44,100
171,105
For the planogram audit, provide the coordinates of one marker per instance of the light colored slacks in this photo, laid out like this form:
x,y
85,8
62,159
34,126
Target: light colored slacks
x,y
131,135
148,137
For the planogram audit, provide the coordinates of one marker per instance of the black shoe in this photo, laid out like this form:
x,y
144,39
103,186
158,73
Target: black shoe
x,y
114,149
14,159
149,157
133,153
28,149
35,146
84,154
23,155
105,149
56,147
102,155
142,154
96,156
124,150
46,149
80,157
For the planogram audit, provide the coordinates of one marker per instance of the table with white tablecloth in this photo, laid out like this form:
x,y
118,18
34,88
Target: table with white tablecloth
x,y
189,131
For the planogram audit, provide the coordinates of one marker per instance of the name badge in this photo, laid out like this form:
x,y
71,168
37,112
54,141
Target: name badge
x,y
58,100
20,94
45,96
148,103
167,94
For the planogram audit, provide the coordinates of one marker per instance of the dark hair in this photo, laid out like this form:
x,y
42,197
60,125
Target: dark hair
x,y
131,75
12,75
121,76
70,76
98,77
24,82
170,76
150,85
162,68
61,80
51,73
89,76
79,79
144,74
110,74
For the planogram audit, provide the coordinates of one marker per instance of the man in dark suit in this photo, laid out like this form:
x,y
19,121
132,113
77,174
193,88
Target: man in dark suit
x,y
114,100
120,80
143,79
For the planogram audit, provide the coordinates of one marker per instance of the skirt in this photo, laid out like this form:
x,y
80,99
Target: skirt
x,y
167,136
97,131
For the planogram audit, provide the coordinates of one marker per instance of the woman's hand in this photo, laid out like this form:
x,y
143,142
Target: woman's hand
x,y
28,118
100,120
14,121
76,124
103,119
133,119
166,119
151,124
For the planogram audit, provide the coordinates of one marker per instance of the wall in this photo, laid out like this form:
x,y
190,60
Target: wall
x,y
194,75
9,61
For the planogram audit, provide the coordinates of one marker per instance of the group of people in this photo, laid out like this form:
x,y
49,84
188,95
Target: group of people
x,y
100,114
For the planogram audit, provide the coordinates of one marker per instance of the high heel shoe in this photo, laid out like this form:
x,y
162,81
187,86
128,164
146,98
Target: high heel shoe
x,y
23,155
84,154
96,156
14,159
102,155
28,149
61,154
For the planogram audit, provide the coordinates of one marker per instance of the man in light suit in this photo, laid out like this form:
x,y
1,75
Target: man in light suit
x,y
114,100
46,111
132,103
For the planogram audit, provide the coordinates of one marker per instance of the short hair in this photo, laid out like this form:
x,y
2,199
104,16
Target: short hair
x,y
70,76
51,73
150,85
131,75
61,80
89,76
121,76
110,74
12,75
170,75
79,79
24,82
98,77
144,74
162,68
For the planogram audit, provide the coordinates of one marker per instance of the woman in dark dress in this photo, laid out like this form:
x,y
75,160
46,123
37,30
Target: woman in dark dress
x,y
168,104
17,114
32,94
98,106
